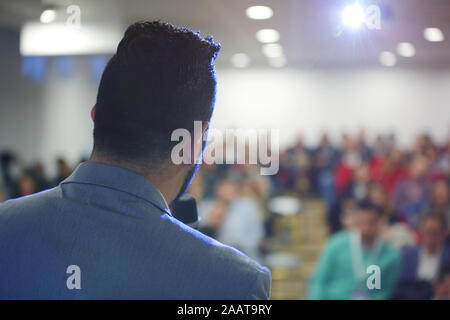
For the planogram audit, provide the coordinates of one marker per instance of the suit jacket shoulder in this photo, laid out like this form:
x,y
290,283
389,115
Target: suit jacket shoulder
x,y
121,256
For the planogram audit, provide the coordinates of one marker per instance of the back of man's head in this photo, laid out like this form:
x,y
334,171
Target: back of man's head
x,y
160,79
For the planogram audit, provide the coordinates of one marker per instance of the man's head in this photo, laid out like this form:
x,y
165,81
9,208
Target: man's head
x,y
161,78
434,230
367,220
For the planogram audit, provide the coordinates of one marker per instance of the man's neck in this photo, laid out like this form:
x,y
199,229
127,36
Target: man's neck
x,y
168,184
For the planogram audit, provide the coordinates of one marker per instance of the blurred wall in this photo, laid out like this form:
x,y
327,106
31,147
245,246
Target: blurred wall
x,y
310,101
42,119
47,118
18,99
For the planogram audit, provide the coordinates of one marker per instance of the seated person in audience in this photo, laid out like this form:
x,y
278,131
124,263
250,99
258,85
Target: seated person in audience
x,y
26,185
358,189
64,170
420,264
349,162
37,171
325,158
394,170
440,199
442,164
299,160
243,226
284,180
378,196
10,171
359,186
212,213
234,217
412,194
363,147
442,283
343,268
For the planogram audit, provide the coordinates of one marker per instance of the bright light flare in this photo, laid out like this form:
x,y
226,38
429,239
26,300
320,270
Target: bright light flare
x,y
353,16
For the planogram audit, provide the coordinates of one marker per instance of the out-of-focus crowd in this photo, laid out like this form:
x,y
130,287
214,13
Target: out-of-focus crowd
x,y
406,190
19,179
386,206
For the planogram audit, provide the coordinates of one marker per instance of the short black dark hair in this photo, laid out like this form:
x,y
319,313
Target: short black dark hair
x,y
161,78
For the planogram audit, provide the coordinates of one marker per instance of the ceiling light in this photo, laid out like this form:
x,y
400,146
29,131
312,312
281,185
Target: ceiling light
x,y
48,15
353,16
406,49
388,59
267,35
240,60
278,62
259,12
272,50
433,34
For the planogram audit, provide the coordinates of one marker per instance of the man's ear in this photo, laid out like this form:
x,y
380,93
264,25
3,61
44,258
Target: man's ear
x,y
93,113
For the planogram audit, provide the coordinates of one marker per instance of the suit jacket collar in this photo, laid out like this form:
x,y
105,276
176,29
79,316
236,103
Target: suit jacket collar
x,y
118,178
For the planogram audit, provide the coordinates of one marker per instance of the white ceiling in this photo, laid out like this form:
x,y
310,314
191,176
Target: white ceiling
x,y
308,27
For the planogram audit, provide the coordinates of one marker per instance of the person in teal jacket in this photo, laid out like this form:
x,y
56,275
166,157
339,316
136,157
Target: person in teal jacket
x,y
357,263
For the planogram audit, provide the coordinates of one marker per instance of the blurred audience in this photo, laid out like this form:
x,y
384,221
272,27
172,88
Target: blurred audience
x,y
440,199
421,263
19,180
326,158
412,194
342,267
234,217
26,185
408,189
64,170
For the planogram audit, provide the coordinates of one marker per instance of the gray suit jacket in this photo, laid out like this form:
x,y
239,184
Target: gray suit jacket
x,y
107,233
